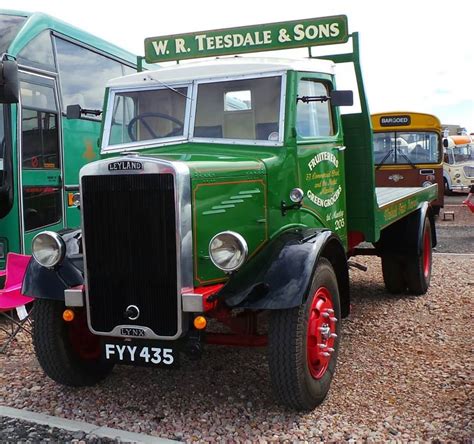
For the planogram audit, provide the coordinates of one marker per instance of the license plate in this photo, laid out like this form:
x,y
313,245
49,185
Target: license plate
x,y
140,353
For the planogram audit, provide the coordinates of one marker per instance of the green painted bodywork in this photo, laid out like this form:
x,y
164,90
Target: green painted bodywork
x,y
396,203
78,137
241,188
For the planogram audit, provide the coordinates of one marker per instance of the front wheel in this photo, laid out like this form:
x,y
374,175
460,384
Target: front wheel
x,y
67,351
304,343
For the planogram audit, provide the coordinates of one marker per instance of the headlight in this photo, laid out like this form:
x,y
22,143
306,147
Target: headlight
x,y
228,250
48,249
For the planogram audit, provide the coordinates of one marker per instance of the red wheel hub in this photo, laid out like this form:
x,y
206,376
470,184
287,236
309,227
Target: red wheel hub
x,y
426,254
321,335
83,342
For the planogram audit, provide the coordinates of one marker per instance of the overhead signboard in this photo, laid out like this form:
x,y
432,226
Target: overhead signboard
x,y
269,37
401,120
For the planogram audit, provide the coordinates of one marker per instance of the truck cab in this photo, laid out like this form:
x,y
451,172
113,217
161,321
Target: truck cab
x,y
231,189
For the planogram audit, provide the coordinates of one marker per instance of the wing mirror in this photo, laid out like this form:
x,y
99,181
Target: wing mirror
x,y
341,98
75,112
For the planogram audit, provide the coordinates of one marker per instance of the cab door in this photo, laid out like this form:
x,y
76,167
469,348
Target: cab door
x,y
41,205
320,151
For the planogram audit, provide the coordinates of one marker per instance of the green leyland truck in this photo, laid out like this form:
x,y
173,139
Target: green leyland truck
x,y
232,191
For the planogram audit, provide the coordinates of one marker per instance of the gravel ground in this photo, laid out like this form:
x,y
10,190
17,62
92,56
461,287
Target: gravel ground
x,y
17,431
405,372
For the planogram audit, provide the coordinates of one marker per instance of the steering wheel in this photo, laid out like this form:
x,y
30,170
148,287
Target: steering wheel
x,y
142,118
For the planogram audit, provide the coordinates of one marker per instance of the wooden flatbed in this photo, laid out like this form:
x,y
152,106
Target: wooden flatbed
x,y
395,203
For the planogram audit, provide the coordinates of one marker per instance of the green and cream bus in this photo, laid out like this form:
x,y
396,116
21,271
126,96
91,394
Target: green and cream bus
x,y
55,65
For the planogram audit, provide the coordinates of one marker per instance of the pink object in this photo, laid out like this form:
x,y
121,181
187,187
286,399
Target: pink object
x,y
11,298
469,204
10,295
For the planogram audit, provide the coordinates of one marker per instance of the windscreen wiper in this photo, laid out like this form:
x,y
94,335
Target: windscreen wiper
x,y
406,158
389,152
168,87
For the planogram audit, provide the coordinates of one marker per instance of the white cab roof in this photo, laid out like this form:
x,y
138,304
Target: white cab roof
x,y
219,68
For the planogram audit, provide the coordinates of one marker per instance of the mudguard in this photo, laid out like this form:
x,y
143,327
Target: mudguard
x,y
280,275
405,237
42,283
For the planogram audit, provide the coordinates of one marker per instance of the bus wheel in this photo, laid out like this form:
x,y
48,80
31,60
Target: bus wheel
x,y
393,275
418,267
67,351
304,342
447,190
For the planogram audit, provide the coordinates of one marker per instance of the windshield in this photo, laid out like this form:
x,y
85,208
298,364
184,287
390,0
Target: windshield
x,y
247,110
9,27
463,153
148,115
406,148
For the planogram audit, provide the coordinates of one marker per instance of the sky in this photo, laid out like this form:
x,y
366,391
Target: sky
x,y
416,55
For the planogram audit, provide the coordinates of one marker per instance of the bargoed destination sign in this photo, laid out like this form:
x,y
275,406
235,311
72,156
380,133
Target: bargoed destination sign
x,y
272,36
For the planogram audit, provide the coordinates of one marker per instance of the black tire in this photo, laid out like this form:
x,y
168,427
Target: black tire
x,y
292,380
447,190
69,362
393,274
418,267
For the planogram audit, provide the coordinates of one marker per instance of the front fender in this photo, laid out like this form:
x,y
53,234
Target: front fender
x,y
42,283
279,276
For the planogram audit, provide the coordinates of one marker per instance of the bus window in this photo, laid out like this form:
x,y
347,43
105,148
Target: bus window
x,y
38,53
42,206
39,127
83,74
313,119
10,25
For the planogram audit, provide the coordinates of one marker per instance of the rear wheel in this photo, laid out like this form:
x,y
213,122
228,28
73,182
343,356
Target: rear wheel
x,y
418,267
67,351
304,342
393,274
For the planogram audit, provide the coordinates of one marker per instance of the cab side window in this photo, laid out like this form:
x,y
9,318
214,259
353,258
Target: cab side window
x,y
314,118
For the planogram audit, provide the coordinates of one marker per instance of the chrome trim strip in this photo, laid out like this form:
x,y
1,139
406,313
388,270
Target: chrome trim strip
x,y
184,245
